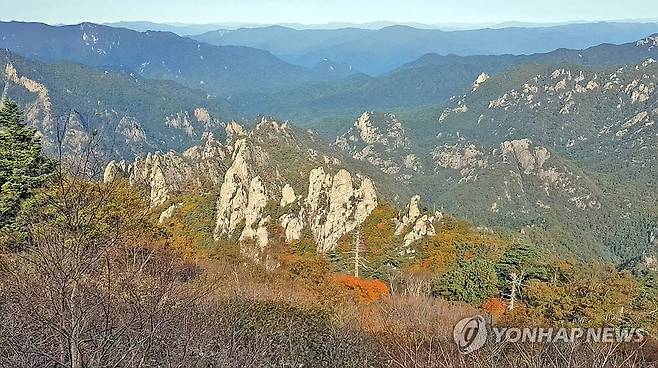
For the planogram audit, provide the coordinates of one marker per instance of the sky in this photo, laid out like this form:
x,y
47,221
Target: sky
x,y
325,11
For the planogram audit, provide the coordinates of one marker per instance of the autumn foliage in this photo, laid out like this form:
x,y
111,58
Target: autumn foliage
x,y
495,307
366,291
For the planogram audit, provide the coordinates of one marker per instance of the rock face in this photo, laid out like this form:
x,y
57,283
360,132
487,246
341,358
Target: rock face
x,y
533,161
381,140
165,175
258,193
465,158
481,79
417,224
337,205
521,167
41,106
167,214
529,160
287,195
233,195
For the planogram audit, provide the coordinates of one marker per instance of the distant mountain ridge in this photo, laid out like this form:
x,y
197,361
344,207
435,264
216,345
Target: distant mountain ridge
x,y
428,81
119,114
156,55
379,51
187,29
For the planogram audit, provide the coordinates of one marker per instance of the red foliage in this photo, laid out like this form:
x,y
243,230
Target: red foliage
x,y
367,291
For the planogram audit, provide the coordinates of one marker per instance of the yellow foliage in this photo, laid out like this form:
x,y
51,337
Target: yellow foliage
x,y
455,239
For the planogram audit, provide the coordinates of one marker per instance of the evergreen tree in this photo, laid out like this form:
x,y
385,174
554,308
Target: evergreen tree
x,y
525,259
470,282
23,167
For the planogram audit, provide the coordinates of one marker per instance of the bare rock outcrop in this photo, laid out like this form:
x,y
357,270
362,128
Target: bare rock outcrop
x,y
165,175
337,204
167,214
381,140
417,225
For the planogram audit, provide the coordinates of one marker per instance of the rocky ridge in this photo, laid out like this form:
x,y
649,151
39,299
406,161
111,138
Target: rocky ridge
x,y
70,106
165,175
419,225
271,177
381,139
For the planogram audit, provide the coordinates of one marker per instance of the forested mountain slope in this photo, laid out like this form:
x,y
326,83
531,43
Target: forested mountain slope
x,y
430,80
125,115
156,55
565,153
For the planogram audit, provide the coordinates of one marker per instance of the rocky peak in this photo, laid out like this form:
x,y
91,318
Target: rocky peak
x,y
305,190
416,224
165,175
235,190
233,130
381,140
336,205
481,79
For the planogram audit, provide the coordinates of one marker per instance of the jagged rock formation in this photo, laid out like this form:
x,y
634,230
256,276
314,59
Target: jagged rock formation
x,y
481,79
381,140
165,175
333,205
417,224
337,205
272,176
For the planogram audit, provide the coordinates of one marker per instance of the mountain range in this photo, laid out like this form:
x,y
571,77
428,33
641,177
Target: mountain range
x,y
156,55
428,81
122,114
382,50
557,148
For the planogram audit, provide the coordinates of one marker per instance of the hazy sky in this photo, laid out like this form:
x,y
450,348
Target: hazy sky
x,y
324,11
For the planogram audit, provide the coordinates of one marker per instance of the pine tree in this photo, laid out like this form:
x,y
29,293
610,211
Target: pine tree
x,y
23,167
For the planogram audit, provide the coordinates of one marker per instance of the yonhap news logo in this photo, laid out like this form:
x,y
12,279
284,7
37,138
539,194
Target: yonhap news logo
x,y
472,333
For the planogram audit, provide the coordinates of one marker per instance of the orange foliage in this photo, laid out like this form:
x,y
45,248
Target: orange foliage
x,y
495,306
367,291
